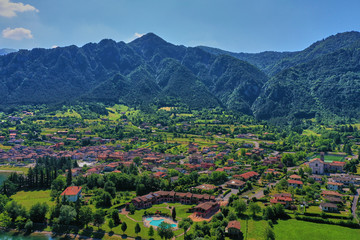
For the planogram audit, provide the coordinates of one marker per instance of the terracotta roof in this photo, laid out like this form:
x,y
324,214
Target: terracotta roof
x,y
331,193
316,159
249,175
71,191
234,224
295,182
206,205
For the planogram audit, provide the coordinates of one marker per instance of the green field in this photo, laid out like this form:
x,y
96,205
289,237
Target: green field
x,y
331,158
29,198
299,230
14,169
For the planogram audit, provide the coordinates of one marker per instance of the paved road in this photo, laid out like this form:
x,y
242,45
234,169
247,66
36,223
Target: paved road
x,y
227,196
355,202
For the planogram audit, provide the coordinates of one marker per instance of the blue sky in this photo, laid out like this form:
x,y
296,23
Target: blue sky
x,y
234,25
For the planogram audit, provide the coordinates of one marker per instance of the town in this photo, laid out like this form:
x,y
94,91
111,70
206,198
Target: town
x,y
175,174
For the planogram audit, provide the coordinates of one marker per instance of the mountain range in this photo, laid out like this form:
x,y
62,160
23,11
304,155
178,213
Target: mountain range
x,y
4,51
321,80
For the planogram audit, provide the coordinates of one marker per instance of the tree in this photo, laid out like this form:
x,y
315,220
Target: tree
x,y
165,230
38,212
99,218
15,209
123,227
173,213
137,228
269,233
69,176
254,208
279,211
269,213
3,201
240,206
67,215
151,231
115,217
58,186
184,225
111,224
85,215
132,208
140,189
5,220
104,200
29,225
110,188
20,222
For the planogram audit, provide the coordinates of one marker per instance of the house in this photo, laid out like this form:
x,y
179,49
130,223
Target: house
x,y
247,176
317,178
335,166
329,207
166,196
207,208
330,194
335,200
235,183
71,194
335,186
295,177
282,198
295,183
233,228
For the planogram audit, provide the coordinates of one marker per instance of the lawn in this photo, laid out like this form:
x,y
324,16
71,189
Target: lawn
x,y
29,198
6,148
317,210
298,230
308,132
13,169
255,229
331,158
68,113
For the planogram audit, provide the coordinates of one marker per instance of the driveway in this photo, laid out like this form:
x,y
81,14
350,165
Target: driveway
x,y
227,196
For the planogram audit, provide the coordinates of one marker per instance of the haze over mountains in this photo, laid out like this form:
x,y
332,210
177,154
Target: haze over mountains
x,y
322,79
4,51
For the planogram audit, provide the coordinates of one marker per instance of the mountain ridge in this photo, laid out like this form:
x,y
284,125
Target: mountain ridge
x,y
150,70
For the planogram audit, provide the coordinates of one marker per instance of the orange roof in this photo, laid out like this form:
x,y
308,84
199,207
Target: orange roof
x,y
249,175
295,182
234,224
71,191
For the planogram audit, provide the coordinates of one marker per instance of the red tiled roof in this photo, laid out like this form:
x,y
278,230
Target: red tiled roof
x,y
234,224
331,193
249,175
71,191
295,182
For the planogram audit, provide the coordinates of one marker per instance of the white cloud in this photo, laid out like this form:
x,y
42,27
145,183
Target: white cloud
x,y
17,33
9,9
137,35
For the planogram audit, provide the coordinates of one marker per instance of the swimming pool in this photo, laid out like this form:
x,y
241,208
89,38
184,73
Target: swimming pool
x,y
157,222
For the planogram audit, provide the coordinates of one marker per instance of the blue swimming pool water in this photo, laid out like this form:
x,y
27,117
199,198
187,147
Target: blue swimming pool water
x,y
156,223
